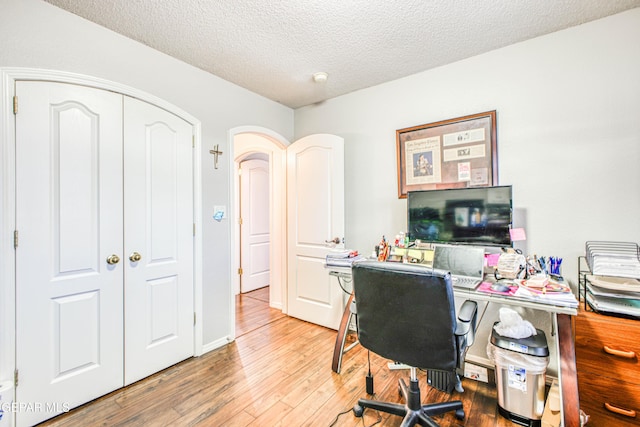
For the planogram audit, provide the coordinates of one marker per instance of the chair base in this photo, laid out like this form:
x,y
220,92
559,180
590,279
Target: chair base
x,y
413,411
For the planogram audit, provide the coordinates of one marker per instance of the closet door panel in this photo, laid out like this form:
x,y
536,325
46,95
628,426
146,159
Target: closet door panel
x,y
69,305
158,206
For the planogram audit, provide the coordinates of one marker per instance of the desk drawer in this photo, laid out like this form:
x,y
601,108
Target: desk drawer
x,y
596,391
608,346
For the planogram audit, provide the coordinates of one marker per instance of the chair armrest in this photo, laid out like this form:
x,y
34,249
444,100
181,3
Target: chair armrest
x,y
468,311
467,317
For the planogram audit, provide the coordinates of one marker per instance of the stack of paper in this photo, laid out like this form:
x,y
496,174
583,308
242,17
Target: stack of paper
x,y
614,294
344,258
619,259
626,306
565,299
551,293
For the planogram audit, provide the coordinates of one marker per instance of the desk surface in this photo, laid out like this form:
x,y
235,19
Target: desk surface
x,y
345,272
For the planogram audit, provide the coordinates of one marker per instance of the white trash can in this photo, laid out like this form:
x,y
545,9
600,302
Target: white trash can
x,y
521,366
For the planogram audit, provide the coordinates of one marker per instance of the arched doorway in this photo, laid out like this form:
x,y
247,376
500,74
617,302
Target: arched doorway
x,y
256,142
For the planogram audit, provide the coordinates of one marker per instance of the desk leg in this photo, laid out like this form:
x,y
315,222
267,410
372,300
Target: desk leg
x,y
343,331
568,374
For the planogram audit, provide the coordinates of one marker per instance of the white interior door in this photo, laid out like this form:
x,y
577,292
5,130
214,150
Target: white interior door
x,y
158,206
69,319
315,216
254,230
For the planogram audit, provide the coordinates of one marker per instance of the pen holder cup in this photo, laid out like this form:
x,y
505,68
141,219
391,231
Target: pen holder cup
x,y
554,266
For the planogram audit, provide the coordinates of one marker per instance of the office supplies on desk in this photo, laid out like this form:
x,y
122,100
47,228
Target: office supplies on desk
x,y
465,263
554,265
548,295
342,258
500,288
510,265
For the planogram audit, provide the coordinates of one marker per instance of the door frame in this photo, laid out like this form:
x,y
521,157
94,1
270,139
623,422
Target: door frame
x,y
243,141
8,77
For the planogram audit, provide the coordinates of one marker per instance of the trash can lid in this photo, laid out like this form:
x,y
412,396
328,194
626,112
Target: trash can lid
x,y
535,345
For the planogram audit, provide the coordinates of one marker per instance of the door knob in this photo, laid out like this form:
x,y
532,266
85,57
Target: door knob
x,y
335,240
113,259
135,257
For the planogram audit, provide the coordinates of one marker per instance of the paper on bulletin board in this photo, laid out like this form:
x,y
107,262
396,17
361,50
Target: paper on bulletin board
x,y
464,171
463,137
422,157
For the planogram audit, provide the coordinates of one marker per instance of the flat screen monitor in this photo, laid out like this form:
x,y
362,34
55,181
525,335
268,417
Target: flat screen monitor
x,y
475,216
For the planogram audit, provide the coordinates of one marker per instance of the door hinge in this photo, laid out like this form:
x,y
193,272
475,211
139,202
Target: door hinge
x,y
15,104
240,221
194,317
193,141
240,271
194,228
15,239
15,378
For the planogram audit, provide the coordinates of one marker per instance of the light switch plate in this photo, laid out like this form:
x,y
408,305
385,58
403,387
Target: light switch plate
x,y
220,209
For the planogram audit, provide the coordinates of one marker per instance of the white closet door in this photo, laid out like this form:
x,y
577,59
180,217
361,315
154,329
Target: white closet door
x,y
255,237
158,206
69,315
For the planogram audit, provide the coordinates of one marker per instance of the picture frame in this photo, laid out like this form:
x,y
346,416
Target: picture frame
x,y
454,153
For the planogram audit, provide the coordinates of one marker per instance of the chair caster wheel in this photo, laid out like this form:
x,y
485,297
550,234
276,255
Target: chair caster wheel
x,y
358,411
460,414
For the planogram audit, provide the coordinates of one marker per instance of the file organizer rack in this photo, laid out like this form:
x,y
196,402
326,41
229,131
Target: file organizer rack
x,y
606,258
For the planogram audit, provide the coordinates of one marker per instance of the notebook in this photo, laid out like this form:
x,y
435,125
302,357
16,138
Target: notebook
x,y
465,263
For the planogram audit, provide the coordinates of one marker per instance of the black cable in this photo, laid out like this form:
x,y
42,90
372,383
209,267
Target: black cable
x,y
378,421
342,287
369,378
335,420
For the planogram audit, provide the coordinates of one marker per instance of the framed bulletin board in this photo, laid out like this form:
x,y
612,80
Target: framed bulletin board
x,y
455,153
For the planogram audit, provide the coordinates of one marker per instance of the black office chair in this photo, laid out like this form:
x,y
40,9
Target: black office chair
x,y
406,313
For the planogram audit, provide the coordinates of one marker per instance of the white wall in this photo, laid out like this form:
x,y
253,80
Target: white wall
x,y
37,35
568,119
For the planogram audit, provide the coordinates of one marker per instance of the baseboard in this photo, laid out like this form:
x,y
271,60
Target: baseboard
x,y
215,344
276,304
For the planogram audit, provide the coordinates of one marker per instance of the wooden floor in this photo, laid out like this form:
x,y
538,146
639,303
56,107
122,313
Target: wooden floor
x,y
276,373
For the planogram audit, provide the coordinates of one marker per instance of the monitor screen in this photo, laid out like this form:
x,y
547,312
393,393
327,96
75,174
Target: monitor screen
x,y
475,216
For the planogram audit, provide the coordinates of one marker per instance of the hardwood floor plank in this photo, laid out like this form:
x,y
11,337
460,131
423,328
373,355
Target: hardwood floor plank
x,y
274,416
276,373
241,419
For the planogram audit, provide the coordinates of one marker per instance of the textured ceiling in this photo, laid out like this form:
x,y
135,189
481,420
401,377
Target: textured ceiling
x,y
273,47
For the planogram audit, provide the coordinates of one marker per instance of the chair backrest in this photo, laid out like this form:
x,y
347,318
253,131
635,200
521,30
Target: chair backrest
x,y
406,313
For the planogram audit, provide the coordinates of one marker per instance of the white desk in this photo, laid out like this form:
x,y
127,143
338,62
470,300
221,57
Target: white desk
x,y
562,327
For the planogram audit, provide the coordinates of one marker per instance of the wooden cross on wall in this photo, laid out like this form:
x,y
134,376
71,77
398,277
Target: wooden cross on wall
x,y
216,152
